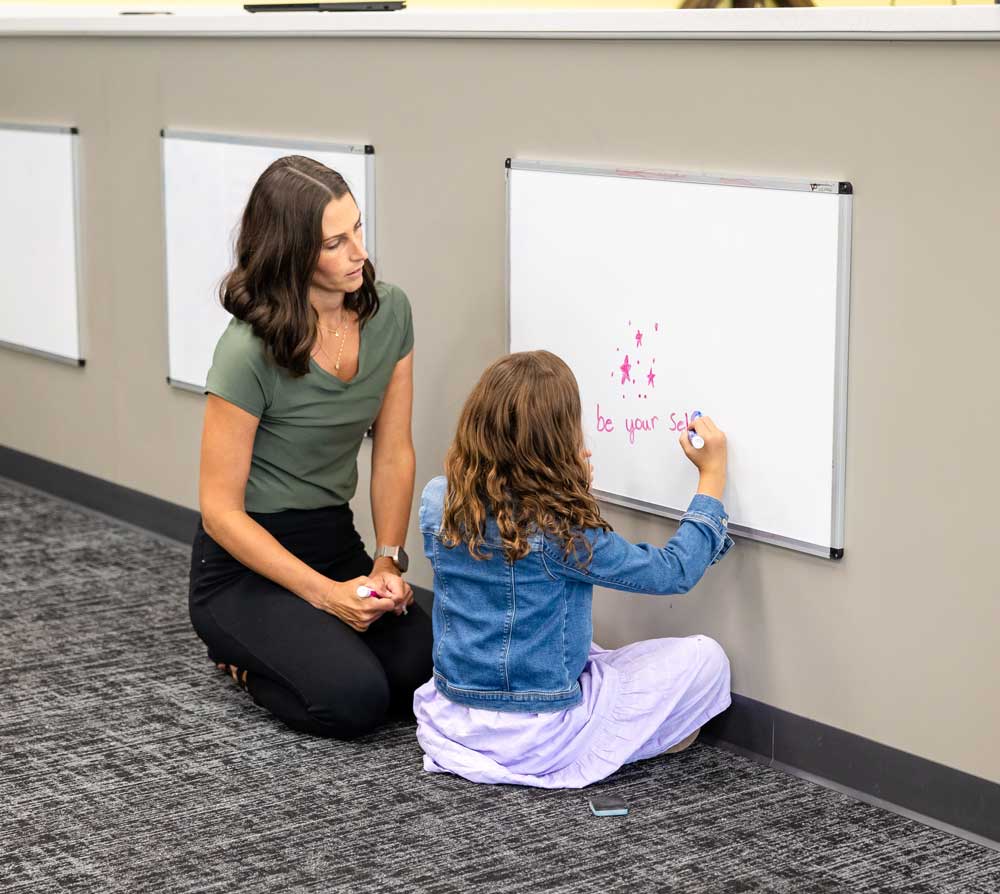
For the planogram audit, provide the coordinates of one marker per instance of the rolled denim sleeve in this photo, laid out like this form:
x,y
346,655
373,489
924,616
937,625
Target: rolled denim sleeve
x,y
700,541
707,510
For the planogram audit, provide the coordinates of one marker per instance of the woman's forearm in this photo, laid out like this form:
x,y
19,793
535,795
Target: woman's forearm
x,y
392,495
248,542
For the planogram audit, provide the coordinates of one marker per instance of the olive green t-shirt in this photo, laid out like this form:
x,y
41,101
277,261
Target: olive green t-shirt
x,y
305,453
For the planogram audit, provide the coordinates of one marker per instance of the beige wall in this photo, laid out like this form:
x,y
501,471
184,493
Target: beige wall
x,y
899,641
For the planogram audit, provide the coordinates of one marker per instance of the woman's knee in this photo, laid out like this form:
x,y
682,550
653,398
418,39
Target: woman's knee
x,y
416,671
407,658
351,711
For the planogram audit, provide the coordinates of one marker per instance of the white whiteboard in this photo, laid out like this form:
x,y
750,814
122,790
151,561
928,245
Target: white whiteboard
x,y
39,252
207,180
733,294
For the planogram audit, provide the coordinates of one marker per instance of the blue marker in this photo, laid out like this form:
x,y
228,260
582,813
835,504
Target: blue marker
x,y
697,441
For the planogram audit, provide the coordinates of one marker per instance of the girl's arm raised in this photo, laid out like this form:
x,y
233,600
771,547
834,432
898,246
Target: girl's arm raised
x,y
700,541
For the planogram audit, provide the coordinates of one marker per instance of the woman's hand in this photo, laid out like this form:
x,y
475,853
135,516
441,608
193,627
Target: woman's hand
x,y
388,581
358,612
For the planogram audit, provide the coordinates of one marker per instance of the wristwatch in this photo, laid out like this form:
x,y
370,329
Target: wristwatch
x,y
397,554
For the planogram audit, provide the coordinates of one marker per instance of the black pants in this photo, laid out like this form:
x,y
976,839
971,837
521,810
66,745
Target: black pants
x,y
306,666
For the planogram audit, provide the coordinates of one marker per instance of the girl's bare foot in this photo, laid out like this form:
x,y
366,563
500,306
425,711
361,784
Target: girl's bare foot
x,y
684,743
239,677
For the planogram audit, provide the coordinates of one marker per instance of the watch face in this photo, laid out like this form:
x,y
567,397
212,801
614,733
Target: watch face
x,y
397,554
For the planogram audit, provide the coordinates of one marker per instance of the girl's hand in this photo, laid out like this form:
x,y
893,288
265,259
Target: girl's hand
x,y
712,459
359,613
393,586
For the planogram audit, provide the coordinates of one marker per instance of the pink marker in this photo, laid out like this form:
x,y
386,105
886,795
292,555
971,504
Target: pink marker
x,y
364,592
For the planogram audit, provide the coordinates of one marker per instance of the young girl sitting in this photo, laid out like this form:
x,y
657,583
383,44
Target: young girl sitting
x,y
519,693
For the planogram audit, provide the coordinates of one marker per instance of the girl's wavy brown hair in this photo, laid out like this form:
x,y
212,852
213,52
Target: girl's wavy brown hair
x,y
277,249
518,456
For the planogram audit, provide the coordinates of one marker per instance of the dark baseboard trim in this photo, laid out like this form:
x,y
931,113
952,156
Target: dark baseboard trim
x,y
122,503
887,775
876,772
132,506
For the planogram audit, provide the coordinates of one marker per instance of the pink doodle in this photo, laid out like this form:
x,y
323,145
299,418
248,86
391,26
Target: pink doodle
x,y
626,368
628,372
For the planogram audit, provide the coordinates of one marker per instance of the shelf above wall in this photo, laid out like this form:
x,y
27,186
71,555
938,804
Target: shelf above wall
x,y
829,23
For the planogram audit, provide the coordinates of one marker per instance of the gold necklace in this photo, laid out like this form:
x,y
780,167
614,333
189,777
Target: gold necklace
x,y
343,341
336,332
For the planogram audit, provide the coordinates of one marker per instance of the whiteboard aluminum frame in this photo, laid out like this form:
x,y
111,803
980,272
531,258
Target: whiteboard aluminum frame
x,y
840,188
74,134
840,379
365,149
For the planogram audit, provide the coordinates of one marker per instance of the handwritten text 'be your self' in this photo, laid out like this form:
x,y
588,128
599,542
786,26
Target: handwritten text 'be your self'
x,y
634,424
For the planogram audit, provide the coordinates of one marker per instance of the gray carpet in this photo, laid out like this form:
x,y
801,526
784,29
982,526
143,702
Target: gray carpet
x,y
129,764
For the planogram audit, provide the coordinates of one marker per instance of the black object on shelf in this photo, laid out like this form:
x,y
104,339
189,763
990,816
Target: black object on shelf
x,y
362,6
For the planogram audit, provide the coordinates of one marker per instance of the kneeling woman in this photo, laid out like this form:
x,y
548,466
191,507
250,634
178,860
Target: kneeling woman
x,y
316,353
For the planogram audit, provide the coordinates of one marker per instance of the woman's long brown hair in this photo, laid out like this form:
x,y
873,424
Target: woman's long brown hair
x,y
277,249
518,456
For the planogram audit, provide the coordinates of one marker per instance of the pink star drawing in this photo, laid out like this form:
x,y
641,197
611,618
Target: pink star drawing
x,y
625,368
650,377
638,338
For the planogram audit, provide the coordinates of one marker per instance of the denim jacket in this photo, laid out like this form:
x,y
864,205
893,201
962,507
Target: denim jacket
x,y
514,636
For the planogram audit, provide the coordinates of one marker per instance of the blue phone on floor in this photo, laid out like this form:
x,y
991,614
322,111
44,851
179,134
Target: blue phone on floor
x,y
608,805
